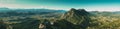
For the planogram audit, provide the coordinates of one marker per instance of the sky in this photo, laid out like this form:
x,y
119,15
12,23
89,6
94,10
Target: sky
x,y
89,5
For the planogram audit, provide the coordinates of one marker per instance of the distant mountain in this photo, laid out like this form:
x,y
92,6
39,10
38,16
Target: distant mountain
x,y
29,10
5,12
38,10
4,9
117,12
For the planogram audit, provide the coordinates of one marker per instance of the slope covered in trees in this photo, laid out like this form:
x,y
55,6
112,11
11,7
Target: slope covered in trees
x,y
73,19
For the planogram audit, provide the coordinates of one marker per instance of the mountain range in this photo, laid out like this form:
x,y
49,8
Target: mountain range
x,y
58,19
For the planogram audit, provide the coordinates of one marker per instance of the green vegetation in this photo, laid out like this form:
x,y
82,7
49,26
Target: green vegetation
x,y
105,21
73,19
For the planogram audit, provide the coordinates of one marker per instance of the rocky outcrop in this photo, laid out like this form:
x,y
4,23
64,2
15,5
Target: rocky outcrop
x,y
78,17
4,25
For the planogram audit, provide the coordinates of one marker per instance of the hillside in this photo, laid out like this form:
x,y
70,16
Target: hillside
x,y
78,17
73,19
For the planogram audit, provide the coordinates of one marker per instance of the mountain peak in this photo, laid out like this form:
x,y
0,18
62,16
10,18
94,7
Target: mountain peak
x,y
81,9
72,9
78,11
76,15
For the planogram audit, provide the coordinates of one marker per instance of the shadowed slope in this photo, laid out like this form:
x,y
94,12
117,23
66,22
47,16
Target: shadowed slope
x,y
78,17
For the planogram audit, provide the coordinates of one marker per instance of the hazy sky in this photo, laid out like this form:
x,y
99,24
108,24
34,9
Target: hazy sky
x,y
90,5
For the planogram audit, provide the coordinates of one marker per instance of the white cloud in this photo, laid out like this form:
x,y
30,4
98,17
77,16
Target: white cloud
x,y
103,9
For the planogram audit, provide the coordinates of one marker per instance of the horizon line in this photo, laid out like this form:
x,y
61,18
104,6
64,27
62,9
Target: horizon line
x,y
61,9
